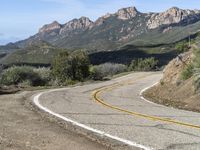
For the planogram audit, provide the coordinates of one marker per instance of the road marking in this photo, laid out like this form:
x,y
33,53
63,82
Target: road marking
x,y
96,95
87,128
145,89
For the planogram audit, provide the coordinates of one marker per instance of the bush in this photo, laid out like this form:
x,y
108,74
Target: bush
x,y
187,72
16,75
74,66
107,69
44,74
197,58
146,64
197,80
182,46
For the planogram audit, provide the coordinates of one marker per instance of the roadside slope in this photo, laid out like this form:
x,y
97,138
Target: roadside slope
x,y
173,90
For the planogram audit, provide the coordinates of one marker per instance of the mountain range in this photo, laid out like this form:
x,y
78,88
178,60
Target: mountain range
x,y
127,26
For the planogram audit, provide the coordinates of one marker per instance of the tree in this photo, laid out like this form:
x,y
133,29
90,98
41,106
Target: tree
x,y
74,66
146,64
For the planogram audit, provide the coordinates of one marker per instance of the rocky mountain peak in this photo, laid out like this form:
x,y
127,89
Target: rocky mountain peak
x,y
50,27
101,20
85,22
82,23
172,16
127,13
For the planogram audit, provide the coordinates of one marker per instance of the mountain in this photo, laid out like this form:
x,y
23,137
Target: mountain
x,y
119,37
40,53
126,26
8,48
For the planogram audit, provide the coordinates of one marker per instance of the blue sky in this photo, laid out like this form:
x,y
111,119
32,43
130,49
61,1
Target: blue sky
x,y
21,18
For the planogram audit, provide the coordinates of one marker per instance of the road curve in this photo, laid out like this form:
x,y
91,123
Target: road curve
x,y
116,110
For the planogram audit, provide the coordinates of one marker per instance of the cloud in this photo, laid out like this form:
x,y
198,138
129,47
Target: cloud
x,y
1,34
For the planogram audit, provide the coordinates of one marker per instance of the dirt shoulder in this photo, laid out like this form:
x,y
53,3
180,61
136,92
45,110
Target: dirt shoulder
x,y
181,97
24,129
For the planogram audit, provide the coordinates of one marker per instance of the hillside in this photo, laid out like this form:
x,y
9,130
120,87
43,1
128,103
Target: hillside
x,y
179,87
126,26
34,54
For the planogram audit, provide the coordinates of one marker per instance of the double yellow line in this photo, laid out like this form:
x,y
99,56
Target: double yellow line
x,y
97,93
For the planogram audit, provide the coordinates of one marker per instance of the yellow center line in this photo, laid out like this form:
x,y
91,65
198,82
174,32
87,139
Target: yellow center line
x,y
96,95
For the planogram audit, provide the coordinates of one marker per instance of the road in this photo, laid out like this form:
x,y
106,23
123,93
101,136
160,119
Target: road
x,y
116,108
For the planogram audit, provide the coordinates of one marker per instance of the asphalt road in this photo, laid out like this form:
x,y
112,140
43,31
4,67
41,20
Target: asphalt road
x,y
116,107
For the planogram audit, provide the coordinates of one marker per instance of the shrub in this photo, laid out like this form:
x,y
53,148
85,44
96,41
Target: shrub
x,y
187,72
146,64
58,67
44,74
107,69
16,75
197,58
74,66
197,70
182,46
197,81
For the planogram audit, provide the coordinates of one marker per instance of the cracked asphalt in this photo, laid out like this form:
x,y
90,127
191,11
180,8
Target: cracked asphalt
x,y
77,103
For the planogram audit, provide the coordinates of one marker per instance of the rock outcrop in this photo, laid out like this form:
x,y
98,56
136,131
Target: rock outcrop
x,y
77,24
50,27
127,13
172,16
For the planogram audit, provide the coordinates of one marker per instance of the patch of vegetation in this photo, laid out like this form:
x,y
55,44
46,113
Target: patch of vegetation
x,y
45,74
40,53
182,46
74,66
187,72
197,69
146,64
21,75
99,72
197,80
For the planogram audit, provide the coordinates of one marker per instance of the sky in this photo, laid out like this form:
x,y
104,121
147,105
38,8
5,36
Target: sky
x,y
20,19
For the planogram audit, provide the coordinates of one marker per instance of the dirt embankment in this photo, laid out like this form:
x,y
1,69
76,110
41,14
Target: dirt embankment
x,y
24,129
174,92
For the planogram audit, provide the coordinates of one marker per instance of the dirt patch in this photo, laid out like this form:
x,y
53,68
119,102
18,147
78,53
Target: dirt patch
x,y
24,129
182,96
174,92
8,90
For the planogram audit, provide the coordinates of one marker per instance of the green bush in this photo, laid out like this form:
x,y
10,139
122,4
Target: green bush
x,y
16,75
197,80
74,66
187,72
44,74
108,69
197,58
182,46
146,64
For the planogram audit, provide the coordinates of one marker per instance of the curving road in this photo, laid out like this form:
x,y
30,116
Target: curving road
x,y
116,108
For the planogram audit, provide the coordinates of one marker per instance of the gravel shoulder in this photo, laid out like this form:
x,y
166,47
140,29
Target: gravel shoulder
x,y
22,127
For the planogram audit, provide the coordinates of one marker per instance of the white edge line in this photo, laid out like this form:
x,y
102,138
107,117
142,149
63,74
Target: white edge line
x,y
145,89
75,123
